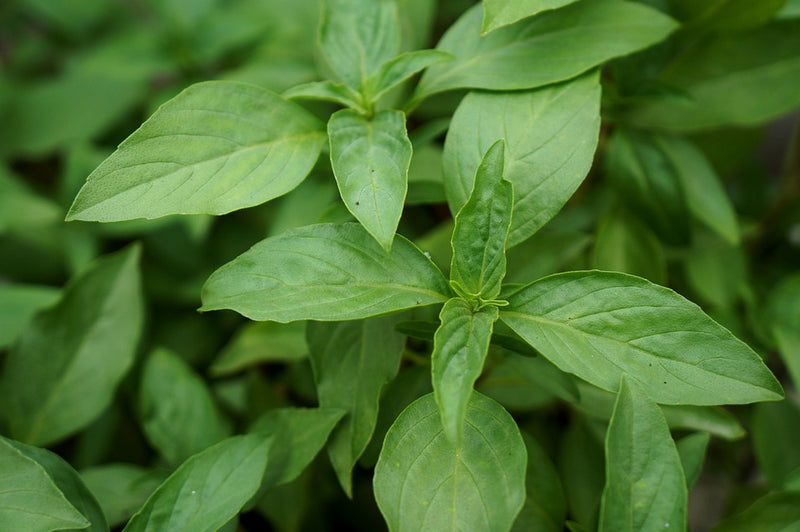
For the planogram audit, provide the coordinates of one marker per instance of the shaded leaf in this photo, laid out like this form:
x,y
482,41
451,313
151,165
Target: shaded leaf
x,y
120,489
776,512
402,67
499,13
775,431
545,508
623,244
18,304
692,450
259,342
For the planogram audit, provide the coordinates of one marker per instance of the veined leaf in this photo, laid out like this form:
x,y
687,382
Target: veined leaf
x,y
29,498
259,342
645,486
329,91
400,68
76,353
499,13
459,349
217,147
550,138
352,361
325,272
481,229
424,482
599,325
370,159
208,490
357,37
552,47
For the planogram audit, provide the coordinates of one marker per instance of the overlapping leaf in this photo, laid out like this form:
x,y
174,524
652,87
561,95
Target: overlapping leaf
x,y
499,13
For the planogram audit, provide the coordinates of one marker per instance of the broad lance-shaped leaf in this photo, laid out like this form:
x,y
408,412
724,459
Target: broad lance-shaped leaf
x,y
208,490
550,139
499,13
357,37
459,350
325,272
352,362
481,229
216,147
370,159
599,325
549,48
424,482
400,68
645,486
29,498
76,353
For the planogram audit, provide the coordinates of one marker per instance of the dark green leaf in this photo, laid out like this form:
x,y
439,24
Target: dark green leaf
x,y
18,304
692,450
580,464
259,342
121,489
776,431
623,244
545,508
776,512
783,306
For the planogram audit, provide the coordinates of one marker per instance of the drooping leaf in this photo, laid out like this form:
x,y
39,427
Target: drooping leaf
x,y
775,512
599,325
459,349
692,450
179,416
424,482
121,489
549,48
325,272
217,147
29,499
775,431
76,352
352,361
18,304
625,245
550,138
545,508
499,13
370,159
259,342
645,486
481,228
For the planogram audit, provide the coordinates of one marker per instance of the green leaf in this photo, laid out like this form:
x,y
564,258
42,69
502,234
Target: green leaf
x,y
743,78
259,342
776,431
550,138
120,488
67,480
298,434
217,147
481,229
580,462
552,47
599,325
727,15
424,482
328,91
645,486
76,353
21,208
29,498
783,315
459,349
402,67
625,245
545,508
499,13
18,304
692,450
716,270
208,490
554,250
358,37
178,413
370,159
352,362
325,272
776,512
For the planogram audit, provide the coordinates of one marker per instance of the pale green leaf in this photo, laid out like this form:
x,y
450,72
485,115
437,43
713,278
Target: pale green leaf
x,y
357,37
29,499
645,486
625,245
402,67
18,304
552,47
692,450
260,342
424,482
120,489
775,512
499,13
599,325
370,159
329,91
208,490
76,353
545,508
352,361
325,272
217,147
481,228
550,137
460,346
178,414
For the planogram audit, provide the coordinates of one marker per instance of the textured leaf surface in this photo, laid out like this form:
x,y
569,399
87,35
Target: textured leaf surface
x,y
550,138
370,159
76,353
352,361
552,47
208,490
217,147
599,325
460,346
325,272
481,229
423,482
29,499
498,13
402,67
645,486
